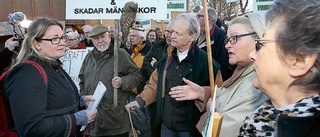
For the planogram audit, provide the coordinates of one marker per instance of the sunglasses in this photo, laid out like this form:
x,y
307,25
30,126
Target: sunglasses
x,y
259,43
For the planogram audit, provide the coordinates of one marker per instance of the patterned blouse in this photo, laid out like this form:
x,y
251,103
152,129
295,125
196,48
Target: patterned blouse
x,y
263,122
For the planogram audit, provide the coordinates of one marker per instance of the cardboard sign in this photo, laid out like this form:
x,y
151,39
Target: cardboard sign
x,y
72,62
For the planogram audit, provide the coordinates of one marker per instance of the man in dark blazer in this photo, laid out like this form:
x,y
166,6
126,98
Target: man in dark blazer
x,y
217,38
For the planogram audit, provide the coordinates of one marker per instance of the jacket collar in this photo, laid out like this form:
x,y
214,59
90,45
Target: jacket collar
x,y
238,73
56,64
191,53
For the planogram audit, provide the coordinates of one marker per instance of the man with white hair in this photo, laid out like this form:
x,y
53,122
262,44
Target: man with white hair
x,y
97,66
186,61
87,41
217,38
140,48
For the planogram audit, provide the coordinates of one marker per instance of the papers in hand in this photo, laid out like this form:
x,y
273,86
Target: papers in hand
x,y
97,95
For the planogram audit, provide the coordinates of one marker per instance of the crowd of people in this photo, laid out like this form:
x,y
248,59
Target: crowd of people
x,y
269,66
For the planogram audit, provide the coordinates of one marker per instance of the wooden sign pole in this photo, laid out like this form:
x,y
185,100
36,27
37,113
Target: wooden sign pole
x,y
217,117
115,62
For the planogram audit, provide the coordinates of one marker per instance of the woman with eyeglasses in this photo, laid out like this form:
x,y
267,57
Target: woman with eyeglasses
x,y
73,41
237,97
45,109
287,69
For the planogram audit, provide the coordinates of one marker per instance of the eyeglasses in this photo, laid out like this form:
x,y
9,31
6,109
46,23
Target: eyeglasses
x,y
199,16
56,40
70,40
259,43
234,39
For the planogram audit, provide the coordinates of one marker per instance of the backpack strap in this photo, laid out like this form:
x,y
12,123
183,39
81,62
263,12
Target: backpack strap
x,y
35,64
3,76
5,111
40,68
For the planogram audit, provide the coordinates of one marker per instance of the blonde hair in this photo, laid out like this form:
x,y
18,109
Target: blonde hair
x,y
253,23
36,31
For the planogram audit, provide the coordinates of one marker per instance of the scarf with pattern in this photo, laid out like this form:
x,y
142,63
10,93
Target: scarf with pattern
x,y
263,121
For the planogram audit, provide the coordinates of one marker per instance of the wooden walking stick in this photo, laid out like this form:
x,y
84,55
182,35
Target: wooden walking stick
x,y
134,132
115,62
217,117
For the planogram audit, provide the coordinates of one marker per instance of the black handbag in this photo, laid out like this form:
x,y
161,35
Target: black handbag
x,y
140,122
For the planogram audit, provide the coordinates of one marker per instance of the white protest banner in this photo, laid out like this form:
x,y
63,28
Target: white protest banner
x,y
177,5
168,18
103,9
72,62
262,6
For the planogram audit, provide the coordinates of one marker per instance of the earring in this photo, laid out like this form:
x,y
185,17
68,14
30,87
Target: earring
x,y
313,69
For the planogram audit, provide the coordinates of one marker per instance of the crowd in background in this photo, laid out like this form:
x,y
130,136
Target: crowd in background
x,y
269,66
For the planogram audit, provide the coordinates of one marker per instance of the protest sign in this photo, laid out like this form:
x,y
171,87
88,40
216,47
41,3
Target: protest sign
x,y
102,9
72,62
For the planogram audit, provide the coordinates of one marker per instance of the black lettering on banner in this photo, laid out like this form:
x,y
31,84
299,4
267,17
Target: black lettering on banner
x,y
153,9
147,10
73,54
113,2
88,11
114,10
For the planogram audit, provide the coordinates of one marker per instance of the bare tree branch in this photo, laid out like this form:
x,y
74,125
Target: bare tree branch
x,y
225,11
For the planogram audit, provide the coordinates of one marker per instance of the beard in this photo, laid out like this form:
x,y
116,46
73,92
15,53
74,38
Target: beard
x,y
102,47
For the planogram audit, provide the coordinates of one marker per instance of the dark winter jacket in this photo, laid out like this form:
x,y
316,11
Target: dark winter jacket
x,y
99,66
39,110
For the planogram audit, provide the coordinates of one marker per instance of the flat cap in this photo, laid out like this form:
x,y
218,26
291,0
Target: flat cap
x,y
98,30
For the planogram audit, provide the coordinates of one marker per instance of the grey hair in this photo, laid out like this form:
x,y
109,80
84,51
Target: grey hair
x,y
86,26
74,35
194,27
169,24
253,22
111,27
141,33
299,34
212,14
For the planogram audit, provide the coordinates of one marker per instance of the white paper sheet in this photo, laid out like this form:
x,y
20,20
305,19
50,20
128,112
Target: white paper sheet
x,y
97,95
207,130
